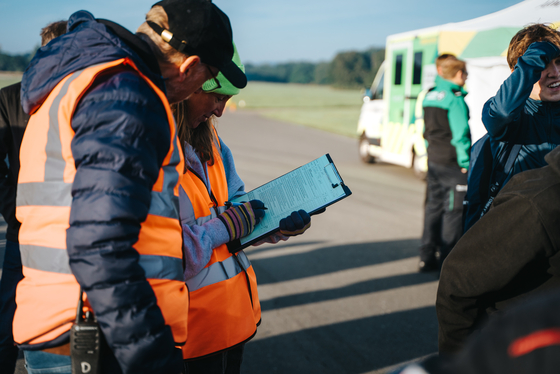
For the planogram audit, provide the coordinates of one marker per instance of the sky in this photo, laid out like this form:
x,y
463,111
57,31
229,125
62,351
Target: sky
x,y
265,31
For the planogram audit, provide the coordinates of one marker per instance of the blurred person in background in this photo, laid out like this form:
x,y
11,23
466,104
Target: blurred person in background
x,y
98,185
420,144
13,121
224,305
447,133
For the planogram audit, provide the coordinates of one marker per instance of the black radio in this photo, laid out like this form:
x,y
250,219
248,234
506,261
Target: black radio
x,y
85,337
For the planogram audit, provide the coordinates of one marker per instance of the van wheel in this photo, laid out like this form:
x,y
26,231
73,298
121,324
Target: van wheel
x,y
418,167
363,148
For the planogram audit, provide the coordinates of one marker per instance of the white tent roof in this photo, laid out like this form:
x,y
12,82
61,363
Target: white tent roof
x,y
518,15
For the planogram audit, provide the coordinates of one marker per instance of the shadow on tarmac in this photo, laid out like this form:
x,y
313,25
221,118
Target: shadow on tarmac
x,y
326,260
361,288
267,247
357,346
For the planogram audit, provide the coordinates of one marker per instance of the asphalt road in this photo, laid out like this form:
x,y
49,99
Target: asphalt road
x,y
345,297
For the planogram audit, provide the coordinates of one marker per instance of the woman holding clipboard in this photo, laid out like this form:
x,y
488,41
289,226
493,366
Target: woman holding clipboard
x,y
224,309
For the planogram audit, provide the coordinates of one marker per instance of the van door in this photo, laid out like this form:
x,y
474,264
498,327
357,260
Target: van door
x,y
400,108
371,119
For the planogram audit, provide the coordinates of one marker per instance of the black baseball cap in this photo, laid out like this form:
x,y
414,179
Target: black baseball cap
x,y
198,27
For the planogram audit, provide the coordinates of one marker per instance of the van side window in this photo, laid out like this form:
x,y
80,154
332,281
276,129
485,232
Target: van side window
x,y
398,70
417,74
378,94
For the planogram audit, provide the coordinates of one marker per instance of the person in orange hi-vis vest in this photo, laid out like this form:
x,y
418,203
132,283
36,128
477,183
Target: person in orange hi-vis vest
x,y
13,121
224,307
99,184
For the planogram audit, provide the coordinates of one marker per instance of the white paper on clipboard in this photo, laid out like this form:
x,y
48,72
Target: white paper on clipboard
x,y
310,187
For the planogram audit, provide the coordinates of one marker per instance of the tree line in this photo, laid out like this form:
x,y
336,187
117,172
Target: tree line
x,y
15,62
347,70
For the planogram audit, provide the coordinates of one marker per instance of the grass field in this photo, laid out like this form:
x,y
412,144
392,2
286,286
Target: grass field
x,y
7,78
322,107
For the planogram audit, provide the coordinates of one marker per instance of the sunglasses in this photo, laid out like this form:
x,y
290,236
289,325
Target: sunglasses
x,y
216,83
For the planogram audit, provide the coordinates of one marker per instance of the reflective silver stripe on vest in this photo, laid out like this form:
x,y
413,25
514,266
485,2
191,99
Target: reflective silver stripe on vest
x,y
219,271
162,267
55,164
165,203
202,220
56,260
44,194
44,258
52,192
187,211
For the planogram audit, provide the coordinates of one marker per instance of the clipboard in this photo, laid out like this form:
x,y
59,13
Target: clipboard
x,y
311,187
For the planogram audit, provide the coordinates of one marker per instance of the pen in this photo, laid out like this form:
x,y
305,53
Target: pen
x,y
231,203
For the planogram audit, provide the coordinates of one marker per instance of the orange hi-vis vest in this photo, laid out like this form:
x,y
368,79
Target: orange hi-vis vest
x,y
224,304
48,294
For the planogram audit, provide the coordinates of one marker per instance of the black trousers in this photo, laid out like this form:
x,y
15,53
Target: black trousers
x,y
227,362
443,210
11,275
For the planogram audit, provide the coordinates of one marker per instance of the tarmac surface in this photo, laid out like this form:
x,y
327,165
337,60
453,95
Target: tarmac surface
x,y
346,296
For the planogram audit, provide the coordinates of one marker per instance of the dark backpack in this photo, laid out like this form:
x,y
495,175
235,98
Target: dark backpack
x,y
486,178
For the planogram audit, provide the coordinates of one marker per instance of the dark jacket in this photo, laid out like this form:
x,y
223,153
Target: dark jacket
x,y
511,253
121,139
446,123
511,116
13,121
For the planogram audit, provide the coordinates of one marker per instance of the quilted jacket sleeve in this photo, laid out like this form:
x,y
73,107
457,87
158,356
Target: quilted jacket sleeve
x,y
121,138
500,112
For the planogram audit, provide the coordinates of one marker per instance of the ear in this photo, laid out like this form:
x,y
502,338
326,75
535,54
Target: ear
x,y
458,78
189,63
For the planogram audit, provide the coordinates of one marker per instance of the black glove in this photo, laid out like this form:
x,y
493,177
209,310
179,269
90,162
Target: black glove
x,y
295,224
240,220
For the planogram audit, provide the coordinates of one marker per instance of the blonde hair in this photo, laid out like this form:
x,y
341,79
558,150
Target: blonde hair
x,y
163,50
443,57
538,32
451,66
